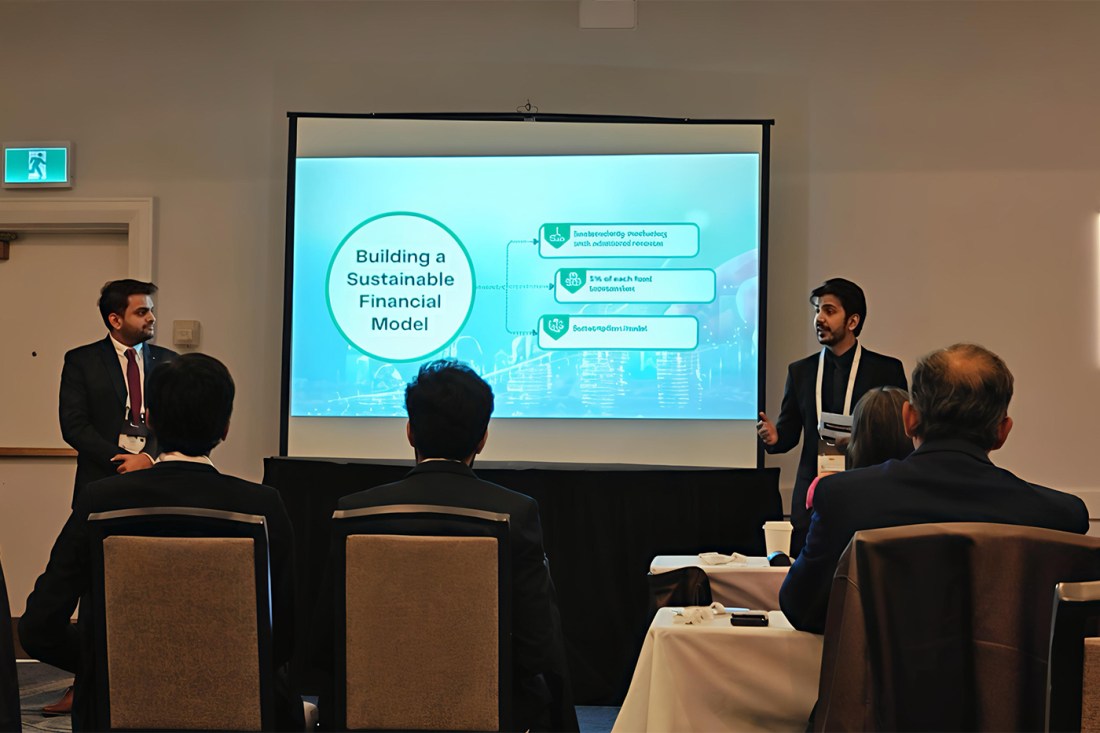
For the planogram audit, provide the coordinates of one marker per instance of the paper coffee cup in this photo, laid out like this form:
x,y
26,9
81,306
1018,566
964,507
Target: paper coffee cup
x,y
777,537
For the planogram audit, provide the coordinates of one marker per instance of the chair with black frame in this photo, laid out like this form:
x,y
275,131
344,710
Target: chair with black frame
x,y
961,643
182,620
1073,678
422,619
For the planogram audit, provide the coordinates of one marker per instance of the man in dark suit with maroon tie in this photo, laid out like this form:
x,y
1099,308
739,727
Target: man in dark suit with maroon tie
x,y
101,404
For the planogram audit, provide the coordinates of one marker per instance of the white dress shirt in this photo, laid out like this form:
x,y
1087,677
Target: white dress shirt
x,y
183,457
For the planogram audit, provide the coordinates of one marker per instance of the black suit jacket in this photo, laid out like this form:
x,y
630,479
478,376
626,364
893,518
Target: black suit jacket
x,y
942,481
542,696
92,406
45,630
798,419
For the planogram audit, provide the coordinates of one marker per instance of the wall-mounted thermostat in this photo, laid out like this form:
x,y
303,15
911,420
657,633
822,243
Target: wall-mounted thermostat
x,y
185,334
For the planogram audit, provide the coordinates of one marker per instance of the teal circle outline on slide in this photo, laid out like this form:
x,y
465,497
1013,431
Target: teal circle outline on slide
x,y
332,264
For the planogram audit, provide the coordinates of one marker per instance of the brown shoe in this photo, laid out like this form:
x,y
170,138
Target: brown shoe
x,y
64,706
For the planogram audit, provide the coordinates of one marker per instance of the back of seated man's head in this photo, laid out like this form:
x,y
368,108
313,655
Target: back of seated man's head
x,y
190,401
962,392
449,407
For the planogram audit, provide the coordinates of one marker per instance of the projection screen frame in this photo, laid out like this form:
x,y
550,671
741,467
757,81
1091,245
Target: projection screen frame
x,y
765,126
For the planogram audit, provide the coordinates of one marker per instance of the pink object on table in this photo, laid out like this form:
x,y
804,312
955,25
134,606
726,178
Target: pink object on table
x,y
810,493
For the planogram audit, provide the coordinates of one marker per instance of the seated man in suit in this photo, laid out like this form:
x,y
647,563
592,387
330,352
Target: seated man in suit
x,y
957,413
190,401
449,408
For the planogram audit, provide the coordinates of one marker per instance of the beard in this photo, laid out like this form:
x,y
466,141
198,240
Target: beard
x,y
138,335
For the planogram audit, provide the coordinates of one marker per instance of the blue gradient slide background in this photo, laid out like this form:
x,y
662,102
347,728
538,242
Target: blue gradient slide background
x,y
495,206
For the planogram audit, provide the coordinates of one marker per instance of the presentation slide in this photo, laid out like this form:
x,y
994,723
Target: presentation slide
x,y
633,307
583,286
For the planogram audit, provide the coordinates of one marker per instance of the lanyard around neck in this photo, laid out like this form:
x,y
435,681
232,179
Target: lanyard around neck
x,y
851,381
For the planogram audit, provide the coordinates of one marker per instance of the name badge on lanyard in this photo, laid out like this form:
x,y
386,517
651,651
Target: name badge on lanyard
x,y
132,438
832,427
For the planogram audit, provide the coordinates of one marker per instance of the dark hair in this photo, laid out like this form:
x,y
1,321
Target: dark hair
x,y
115,296
449,407
190,401
850,295
961,392
878,433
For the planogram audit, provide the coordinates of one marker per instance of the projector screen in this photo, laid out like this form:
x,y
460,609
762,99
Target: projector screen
x,y
602,274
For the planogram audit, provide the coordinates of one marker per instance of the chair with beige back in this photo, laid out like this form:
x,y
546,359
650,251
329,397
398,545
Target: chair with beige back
x,y
182,620
423,619
945,626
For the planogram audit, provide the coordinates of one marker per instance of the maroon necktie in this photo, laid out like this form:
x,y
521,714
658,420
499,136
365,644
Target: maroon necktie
x,y
133,383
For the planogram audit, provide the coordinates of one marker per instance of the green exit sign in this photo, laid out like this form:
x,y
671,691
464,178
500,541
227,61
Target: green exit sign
x,y
37,165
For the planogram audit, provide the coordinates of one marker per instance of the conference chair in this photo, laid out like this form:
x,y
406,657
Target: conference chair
x,y
945,626
181,614
9,681
1073,680
681,587
423,619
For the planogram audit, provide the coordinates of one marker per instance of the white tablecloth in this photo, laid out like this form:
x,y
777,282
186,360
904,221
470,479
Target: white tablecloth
x,y
754,585
717,677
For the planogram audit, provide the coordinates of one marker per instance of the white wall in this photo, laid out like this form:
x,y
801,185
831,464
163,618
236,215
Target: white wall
x,y
944,155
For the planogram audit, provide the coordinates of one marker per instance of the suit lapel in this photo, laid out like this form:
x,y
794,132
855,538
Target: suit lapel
x,y
109,358
150,362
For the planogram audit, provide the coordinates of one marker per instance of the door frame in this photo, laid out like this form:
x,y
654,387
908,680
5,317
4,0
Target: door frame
x,y
130,216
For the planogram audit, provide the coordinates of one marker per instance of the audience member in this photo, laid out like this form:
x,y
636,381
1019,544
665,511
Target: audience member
x,y
878,433
957,413
830,381
448,408
190,401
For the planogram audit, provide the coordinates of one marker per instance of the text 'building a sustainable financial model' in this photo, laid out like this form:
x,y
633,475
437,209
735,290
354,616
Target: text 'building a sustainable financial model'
x,y
401,286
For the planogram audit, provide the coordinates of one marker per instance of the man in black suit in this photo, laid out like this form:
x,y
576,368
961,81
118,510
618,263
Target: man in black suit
x,y
449,408
957,414
190,401
831,381
103,384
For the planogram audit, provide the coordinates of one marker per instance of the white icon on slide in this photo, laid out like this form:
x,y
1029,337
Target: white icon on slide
x,y
556,325
556,236
573,280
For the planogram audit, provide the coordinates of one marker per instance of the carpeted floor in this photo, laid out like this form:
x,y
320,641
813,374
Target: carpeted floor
x,y
40,684
596,719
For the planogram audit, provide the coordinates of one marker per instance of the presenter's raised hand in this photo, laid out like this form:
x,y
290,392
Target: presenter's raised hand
x,y
128,462
766,430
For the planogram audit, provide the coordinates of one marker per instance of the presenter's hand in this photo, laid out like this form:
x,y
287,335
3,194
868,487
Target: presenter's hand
x,y
128,462
766,430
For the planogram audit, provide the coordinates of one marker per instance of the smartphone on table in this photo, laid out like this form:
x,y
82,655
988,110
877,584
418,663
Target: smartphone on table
x,y
749,618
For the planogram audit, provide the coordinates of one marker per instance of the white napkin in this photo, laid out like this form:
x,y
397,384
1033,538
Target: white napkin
x,y
699,614
717,558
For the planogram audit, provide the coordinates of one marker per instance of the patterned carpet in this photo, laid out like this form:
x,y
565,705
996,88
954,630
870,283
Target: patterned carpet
x,y
40,684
